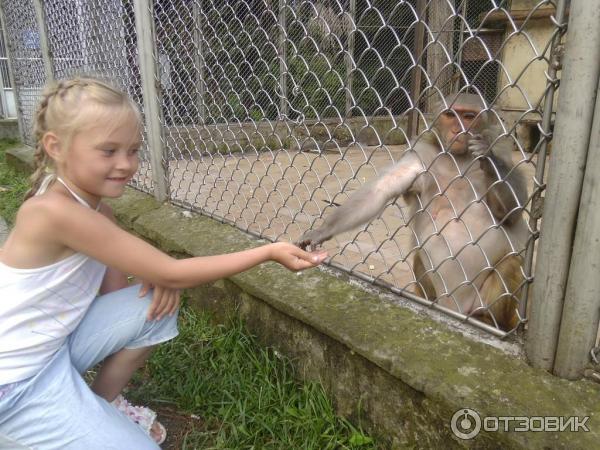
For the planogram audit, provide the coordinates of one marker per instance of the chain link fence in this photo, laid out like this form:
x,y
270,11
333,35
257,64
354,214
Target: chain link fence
x,y
27,63
7,99
273,112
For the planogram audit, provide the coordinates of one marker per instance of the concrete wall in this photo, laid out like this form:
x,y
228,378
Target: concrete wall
x,y
9,129
327,134
520,52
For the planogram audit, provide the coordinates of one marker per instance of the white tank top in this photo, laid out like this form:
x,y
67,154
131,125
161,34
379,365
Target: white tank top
x,y
40,307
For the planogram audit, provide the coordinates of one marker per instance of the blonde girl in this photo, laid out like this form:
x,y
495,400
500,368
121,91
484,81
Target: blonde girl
x,y
65,304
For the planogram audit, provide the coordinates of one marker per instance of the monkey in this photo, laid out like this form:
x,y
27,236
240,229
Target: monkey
x,y
465,200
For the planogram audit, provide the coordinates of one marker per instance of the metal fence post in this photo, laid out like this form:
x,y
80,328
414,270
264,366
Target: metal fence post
x,y
350,64
199,60
3,100
416,77
437,59
43,33
144,25
11,74
581,313
571,139
282,50
83,33
552,82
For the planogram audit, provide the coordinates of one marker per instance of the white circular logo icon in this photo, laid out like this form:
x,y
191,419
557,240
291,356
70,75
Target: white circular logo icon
x,y
466,423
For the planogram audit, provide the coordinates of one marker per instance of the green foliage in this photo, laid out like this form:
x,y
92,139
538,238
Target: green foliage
x,y
13,185
256,114
319,83
247,396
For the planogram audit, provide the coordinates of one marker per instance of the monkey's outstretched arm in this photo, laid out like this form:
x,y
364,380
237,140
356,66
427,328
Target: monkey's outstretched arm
x,y
367,202
508,193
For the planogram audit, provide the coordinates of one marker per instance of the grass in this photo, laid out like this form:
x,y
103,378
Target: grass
x,y
215,387
246,396
13,185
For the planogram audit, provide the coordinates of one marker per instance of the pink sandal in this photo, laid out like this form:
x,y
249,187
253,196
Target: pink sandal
x,y
141,415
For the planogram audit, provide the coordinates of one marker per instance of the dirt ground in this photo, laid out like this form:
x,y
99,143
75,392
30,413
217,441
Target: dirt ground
x,y
178,426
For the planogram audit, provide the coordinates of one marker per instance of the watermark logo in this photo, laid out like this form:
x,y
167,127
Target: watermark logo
x,y
467,423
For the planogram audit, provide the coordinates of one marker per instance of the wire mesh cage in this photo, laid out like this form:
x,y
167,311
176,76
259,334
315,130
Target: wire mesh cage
x,y
275,112
97,38
27,63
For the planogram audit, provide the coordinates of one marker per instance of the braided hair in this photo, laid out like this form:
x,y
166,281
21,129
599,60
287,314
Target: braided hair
x,y
59,112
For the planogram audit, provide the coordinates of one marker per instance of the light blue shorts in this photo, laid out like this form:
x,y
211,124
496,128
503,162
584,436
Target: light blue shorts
x,y
56,409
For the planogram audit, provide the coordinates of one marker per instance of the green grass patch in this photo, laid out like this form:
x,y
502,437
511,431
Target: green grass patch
x,y
247,396
13,184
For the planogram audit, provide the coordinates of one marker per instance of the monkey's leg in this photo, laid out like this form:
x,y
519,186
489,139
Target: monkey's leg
x,y
424,287
493,293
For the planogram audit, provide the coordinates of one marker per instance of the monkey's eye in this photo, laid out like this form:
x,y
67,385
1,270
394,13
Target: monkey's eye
x,y
448,113
469,115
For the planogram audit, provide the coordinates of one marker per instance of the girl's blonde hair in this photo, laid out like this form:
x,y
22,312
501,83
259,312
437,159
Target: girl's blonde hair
x,y
61,111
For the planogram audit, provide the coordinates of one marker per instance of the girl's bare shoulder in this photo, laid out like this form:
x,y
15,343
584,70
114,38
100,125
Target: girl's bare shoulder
x,y
47,206
49,213
36,238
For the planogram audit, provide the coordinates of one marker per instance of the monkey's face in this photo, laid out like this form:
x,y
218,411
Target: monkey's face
x,y
455,125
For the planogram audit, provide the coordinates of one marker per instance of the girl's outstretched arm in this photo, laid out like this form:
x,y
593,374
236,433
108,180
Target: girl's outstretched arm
x,y
113,279
164,300
93,234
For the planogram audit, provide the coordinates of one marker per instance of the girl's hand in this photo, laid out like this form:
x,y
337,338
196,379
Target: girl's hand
x,y
164,300
294,258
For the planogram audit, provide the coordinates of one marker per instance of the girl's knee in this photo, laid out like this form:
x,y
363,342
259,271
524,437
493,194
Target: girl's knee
x,y
115,321
155,332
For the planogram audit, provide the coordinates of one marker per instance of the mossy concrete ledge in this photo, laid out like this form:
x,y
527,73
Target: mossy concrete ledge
x,y
399,373
20,157
9,129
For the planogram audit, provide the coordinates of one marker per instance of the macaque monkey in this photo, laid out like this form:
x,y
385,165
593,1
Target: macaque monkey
x,y
465,199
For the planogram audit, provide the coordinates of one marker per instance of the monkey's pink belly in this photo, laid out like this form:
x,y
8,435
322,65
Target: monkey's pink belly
x,y
461,258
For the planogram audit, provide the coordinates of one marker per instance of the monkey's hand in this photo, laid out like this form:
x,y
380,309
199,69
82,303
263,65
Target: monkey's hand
x,y
479,146
313,239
